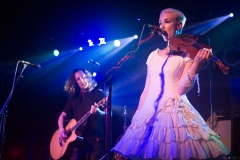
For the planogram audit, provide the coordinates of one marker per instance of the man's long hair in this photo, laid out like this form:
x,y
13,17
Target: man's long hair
x,y
71,86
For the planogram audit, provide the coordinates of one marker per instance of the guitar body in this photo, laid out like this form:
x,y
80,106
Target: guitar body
x,y
56,150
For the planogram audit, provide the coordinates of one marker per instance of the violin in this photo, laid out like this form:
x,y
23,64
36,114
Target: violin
x,y
188,44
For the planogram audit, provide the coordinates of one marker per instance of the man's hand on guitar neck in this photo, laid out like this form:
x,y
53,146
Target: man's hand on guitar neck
x,y
96,110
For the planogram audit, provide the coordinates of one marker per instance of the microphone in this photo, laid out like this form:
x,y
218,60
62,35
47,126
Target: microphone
x,y
93,62
31,64
156,29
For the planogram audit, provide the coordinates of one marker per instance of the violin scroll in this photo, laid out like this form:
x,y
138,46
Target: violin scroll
x,y
221,66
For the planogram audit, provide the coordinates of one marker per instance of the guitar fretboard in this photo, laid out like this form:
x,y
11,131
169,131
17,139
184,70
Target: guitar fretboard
x,y
81,120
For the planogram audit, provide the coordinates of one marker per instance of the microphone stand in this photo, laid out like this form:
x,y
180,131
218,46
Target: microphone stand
x,y
108,80
125,119
4,112
210,88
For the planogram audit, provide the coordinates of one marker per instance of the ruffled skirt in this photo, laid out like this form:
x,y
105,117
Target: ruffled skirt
x,y
174,130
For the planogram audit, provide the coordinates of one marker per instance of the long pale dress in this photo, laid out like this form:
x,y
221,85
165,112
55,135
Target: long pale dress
x,y
168,126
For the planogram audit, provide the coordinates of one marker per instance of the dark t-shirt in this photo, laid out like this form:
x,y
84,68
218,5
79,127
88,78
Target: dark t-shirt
x,y
79,106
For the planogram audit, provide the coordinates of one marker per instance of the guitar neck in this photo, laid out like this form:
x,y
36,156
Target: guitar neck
x,y
100,103
81,121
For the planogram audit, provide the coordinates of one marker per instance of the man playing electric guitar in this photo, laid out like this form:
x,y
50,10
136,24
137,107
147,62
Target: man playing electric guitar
x,y
79,86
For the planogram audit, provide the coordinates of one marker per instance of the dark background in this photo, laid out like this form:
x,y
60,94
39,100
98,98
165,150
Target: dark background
x,y
31,30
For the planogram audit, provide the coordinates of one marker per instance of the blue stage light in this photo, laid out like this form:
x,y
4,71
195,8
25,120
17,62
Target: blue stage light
x,y
117,43
55,52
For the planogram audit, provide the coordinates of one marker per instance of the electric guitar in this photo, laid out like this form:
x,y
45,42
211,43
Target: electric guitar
x,y
58,147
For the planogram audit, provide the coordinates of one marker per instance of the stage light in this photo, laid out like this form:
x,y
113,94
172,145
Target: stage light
x,y
102,41
117,43
135,36
205,26
90,43
80,48
55,52
138,19
94,74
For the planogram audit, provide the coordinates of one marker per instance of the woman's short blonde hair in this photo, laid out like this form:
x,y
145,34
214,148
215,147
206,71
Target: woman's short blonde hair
x,y
180,17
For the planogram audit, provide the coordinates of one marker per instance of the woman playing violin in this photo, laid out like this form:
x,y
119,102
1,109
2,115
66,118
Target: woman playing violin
x,y
165,124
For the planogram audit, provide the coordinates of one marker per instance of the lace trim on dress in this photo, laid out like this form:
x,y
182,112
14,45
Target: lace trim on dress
x,y
168,111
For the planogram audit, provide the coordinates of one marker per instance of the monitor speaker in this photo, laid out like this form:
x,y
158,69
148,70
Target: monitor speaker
x,y
235,140
223,129
229,131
